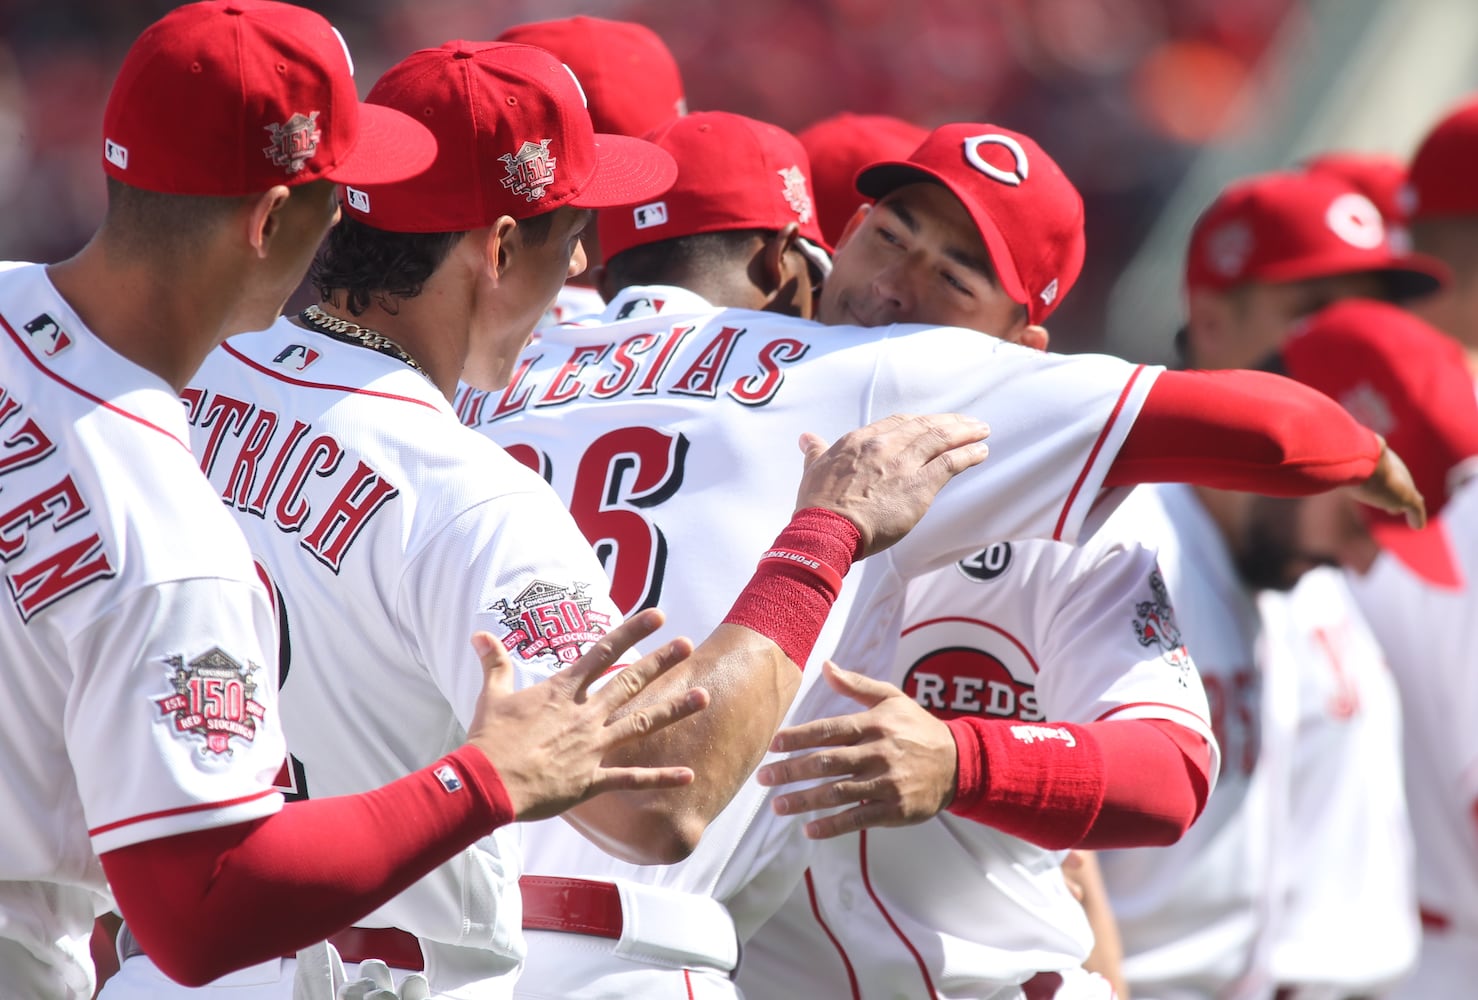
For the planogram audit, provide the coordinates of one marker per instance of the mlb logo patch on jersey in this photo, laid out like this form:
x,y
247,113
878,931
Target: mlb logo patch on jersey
x,y
47,337
447,775
296,357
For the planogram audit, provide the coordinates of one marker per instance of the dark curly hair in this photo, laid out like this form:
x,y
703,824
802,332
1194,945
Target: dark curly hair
x,y
368,263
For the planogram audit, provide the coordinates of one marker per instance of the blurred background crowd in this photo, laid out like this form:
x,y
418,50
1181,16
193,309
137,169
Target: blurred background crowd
x,y
1149,105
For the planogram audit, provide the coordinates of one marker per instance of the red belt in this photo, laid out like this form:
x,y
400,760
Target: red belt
x,y
571,905
396,948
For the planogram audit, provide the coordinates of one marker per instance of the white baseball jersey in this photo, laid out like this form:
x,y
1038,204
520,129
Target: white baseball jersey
x,y
390,533
138,643
1429,635
1347,806
670,430
1190,914
573,302
1036,631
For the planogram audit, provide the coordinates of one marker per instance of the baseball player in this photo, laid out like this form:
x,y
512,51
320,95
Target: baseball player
x,y
141,732
1416,589
631,83
841,145
715,386
1297,686
1075,643
386,529
1443,213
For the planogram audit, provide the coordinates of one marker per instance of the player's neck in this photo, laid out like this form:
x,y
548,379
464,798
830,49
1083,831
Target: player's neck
x,y
421,327
163,319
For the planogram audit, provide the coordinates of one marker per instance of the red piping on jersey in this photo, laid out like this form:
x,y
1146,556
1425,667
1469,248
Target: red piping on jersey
x,y
326,385
1093,455
867,884
841,952
197,807
83,392
1153,704
688,983
976,621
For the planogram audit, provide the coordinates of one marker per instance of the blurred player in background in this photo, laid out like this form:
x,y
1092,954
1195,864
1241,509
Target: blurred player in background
x,y
631,84
1417,590
1296,695
840,146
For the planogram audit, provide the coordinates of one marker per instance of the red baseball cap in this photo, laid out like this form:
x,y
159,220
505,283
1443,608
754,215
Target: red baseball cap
x,y
629,74
1439,181
842,144
1409,383
233,97
1378,176
732,173
515,140
1027,211
1294,225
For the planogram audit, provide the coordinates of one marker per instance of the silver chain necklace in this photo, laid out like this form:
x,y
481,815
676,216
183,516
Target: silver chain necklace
x,y
353,333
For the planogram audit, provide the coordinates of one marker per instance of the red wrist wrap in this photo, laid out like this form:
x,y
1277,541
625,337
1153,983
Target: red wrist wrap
x,y
797,581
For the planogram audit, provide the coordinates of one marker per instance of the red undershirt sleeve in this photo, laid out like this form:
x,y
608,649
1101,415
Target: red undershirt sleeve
x,y
1060,785
1243,430
302,874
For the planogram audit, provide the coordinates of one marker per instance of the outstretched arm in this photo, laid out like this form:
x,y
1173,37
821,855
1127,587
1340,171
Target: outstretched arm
x,y
316,866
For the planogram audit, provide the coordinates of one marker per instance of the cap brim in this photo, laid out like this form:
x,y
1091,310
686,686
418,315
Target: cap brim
x,y
1406,276
392,146
879,179
627,171
1426,552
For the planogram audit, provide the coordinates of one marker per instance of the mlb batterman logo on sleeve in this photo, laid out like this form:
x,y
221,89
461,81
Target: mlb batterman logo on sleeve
x,y
265,94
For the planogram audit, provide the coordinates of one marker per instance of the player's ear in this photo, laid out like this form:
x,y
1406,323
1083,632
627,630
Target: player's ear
x,y
264,218
500,248
1035,337
853,223
777,263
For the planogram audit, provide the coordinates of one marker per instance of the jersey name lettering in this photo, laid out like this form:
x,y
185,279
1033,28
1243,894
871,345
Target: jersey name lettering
x,y
265,463
36,584
640,365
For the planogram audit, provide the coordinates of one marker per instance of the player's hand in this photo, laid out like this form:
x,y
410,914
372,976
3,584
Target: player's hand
x,y
1391,489
548,740
895,764
883,477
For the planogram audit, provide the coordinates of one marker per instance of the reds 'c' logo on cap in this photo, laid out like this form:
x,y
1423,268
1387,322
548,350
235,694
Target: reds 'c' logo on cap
x,y
1018,155
293,142
530,170
1355,219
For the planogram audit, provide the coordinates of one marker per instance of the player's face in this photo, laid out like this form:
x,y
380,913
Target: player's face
x,y
918,258
1241,328
1276,548
528,289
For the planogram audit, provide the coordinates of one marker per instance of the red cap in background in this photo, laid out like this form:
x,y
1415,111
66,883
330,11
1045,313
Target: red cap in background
x,y
732,173
841,145
1410,384
515,140
1439,181
1027,211
1378,176
233,97
1293,225
630,76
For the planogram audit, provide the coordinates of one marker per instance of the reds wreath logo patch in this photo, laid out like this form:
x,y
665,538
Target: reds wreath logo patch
x,y
214,699
1154,624
549,618
530,170
294,142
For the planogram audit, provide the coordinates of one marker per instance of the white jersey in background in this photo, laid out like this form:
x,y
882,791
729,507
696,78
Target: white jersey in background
x,y
1035,631
573,302
390,533
1347,923
137,640
670,430
1191,914
1430,635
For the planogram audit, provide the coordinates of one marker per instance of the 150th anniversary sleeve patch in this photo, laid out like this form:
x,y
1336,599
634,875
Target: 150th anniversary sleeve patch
x,y
214,700
550,618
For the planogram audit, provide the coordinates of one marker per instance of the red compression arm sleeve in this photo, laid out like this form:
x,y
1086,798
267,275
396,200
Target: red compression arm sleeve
x,y
300,875
1120,783
1244,430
